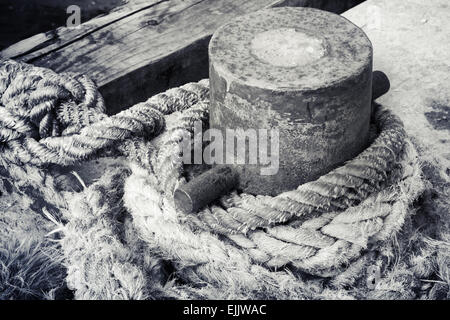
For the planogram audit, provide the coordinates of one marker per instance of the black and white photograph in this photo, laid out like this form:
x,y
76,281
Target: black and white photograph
x,y
221,156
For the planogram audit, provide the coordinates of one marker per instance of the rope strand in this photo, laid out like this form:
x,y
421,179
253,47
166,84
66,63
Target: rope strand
x,y
235,246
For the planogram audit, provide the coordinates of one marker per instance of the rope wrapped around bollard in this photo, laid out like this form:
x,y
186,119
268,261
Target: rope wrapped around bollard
x,y
240,241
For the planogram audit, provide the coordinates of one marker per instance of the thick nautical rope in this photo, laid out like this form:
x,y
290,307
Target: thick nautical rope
x,y
107,259
310,227
342,188
48,118
319,228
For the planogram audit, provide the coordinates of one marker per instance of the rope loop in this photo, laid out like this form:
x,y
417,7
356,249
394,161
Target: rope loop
x,y
49,118
242,242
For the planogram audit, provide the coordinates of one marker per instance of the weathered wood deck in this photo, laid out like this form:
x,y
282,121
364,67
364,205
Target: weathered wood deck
x,y
145,48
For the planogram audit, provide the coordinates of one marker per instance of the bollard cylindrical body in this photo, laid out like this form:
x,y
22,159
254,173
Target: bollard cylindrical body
x,y
303,73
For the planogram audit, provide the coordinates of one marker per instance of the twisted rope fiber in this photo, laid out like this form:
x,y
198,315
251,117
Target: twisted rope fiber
x,y
106,261
237,244
118,268
48,118
325,231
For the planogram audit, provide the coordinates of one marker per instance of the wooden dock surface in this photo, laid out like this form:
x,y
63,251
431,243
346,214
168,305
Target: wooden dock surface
x,y
411,45
141,49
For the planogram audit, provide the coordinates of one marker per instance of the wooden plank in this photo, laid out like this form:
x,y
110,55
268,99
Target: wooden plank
x,y
135,53
411,45
21,19
43,43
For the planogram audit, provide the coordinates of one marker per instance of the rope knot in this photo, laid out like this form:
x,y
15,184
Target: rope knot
x,y
39,103
50,118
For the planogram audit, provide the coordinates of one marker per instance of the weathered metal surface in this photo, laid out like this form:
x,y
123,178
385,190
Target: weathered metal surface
x,y
205,188
320,108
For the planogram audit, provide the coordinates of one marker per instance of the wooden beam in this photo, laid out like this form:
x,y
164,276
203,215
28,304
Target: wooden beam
x,y
140,50
43,43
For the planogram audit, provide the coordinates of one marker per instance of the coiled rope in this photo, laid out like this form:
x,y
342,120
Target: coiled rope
x,y
49,118
320,228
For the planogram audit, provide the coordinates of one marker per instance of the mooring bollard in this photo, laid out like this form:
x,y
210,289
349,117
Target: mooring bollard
x,y
303,72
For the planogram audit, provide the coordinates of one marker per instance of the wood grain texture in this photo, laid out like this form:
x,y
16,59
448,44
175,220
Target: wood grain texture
x,y
137,51
43,43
